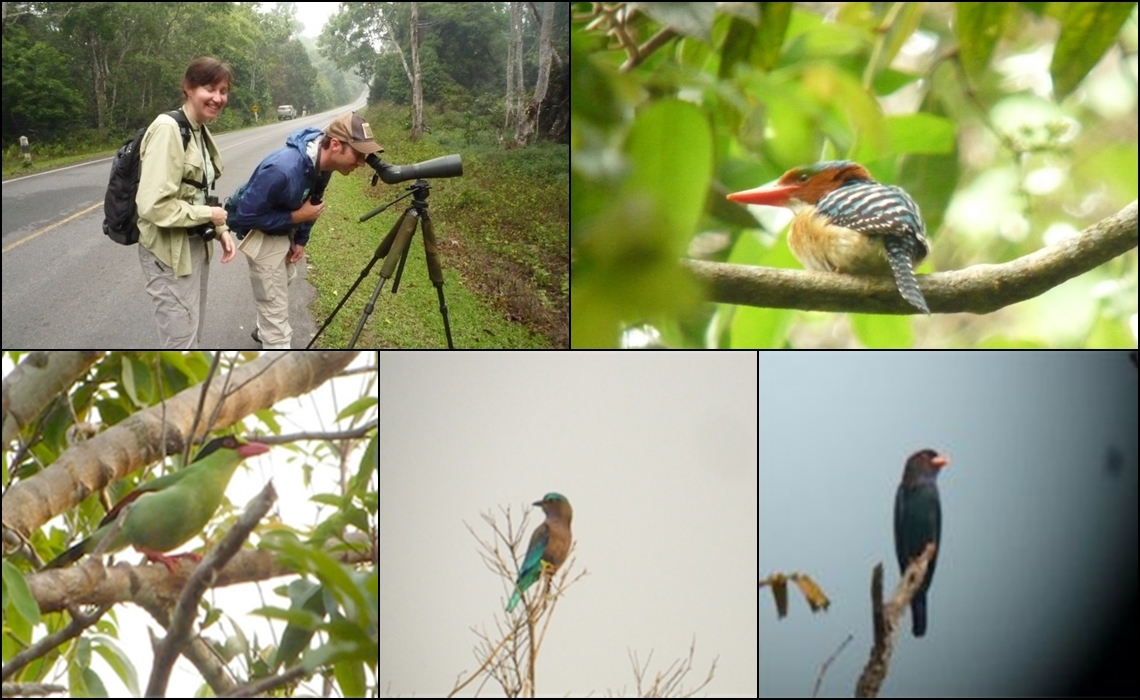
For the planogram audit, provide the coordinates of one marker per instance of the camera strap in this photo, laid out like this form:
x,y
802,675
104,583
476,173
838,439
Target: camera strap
x,y
209,172
207,162
320,181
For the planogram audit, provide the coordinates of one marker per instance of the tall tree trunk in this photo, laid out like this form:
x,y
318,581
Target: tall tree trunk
x,y
529,125
513,115
99,79
417,85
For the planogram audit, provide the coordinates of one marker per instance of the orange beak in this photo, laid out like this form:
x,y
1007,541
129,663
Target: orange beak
x,y
772,195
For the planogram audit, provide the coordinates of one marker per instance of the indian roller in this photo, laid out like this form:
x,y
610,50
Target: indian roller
x,y
918,522
550,543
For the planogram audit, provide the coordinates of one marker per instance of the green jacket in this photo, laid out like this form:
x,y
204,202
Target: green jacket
x,y
167,206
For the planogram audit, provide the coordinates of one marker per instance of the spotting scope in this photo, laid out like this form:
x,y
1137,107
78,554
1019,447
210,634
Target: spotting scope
x,y
444,166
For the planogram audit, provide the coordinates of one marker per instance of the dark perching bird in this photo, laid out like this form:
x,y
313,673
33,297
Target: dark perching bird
x,y
918,522
550,543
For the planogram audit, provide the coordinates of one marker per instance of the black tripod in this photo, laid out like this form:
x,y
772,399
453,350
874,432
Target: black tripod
x,y
395,246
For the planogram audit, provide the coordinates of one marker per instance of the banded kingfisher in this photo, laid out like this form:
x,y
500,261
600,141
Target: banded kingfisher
x,y
846,222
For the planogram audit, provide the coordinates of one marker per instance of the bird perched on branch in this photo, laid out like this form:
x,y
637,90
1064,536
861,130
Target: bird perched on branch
x,y
550,543
847,222
918,522
165,512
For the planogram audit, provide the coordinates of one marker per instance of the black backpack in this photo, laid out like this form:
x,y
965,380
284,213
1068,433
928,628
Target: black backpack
x,y
122,215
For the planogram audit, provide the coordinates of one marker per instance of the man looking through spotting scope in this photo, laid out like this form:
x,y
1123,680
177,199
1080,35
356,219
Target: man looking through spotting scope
x,y
274,212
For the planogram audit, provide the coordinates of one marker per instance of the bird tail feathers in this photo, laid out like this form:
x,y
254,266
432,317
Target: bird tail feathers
x,y
900,255
918,613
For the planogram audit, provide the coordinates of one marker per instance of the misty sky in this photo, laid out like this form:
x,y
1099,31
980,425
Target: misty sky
x,y
656,452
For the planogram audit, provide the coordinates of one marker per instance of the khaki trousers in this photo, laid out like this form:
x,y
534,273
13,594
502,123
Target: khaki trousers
x,y
270,275
179,302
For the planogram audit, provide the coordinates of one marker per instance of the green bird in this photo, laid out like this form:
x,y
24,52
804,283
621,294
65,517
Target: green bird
x,y
167,511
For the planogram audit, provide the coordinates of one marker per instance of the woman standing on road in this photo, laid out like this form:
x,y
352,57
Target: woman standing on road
x,y
177,223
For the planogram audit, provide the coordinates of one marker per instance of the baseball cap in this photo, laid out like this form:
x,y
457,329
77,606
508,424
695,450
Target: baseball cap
x,y
350,128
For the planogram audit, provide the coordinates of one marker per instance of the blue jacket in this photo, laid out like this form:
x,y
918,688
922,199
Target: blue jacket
x,y
279,185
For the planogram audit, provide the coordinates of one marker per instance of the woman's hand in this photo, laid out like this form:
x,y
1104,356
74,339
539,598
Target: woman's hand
x,y
217,215
228,249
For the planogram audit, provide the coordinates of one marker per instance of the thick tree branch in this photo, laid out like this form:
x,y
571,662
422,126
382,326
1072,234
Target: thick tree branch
x,y
978,289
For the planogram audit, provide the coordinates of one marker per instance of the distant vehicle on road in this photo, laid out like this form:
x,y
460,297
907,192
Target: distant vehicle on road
x,y
286,112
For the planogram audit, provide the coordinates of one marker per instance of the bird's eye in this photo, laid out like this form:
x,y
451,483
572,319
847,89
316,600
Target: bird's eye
x,y
802,177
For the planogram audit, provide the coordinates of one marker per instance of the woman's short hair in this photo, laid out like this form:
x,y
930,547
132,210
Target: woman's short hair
x,y
206,70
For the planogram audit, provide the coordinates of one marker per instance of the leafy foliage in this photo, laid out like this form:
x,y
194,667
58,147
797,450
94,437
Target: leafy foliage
x,y
952,102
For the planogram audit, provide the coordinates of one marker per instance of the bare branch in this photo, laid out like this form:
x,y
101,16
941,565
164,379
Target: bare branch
x,y
978,289
508,656
827,664
886,620
668,683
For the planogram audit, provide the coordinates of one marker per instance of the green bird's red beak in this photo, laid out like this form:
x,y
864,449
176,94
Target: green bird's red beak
x,y
252,449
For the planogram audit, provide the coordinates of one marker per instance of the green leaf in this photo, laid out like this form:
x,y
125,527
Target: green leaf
x,y
980,27
1088,29
626,266
358,407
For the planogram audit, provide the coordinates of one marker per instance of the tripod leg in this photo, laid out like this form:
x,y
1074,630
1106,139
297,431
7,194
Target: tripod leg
x,y
386,244
407,227
367,311
435,272
381,251
404,229
403,257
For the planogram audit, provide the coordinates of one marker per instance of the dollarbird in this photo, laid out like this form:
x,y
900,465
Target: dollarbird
x,y
167,511
550,543
918,522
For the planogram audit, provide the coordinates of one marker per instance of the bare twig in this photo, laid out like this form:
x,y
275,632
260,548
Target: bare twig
x,y
667,683
827,664
508,657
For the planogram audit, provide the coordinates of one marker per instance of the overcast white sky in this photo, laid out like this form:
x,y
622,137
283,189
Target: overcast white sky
x,y
314,15
656,452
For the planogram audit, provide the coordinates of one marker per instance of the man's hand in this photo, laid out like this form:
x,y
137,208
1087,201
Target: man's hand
x,y
307,212
296,252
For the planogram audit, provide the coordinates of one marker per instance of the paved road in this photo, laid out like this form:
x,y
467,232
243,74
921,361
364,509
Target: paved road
x,y
66,285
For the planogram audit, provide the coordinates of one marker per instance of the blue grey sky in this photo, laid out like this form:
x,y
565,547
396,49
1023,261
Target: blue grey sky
x,y
1039,503
656,452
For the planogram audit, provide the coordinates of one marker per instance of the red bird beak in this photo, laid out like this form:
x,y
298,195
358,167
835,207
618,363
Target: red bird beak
x,y
940,462
251,449
772,195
